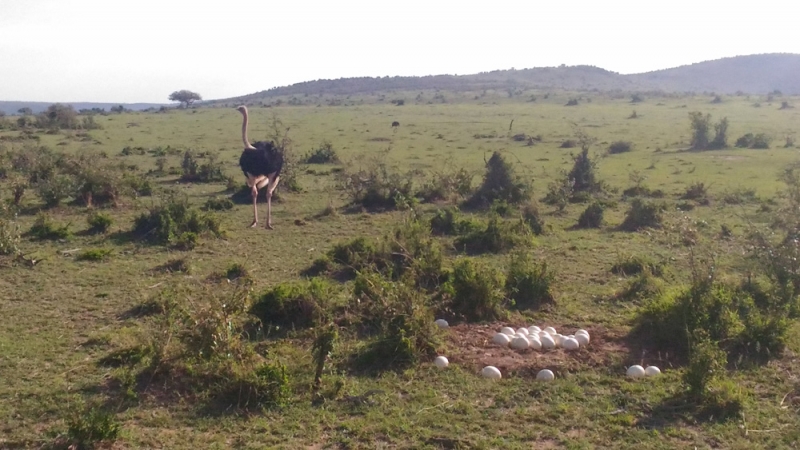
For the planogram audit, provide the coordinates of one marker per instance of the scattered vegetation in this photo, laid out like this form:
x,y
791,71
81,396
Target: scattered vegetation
x,y
324,154
643,214
529,283
173,221
592,216
477,291
500,182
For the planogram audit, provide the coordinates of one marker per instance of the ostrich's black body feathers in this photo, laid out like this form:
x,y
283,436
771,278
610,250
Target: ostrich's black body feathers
x,y
266,159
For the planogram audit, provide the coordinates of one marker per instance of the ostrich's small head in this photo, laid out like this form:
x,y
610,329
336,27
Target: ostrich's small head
x,y
242,109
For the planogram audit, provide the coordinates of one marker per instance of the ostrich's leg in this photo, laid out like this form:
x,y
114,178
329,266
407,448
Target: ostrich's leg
x,y
270,189
254,193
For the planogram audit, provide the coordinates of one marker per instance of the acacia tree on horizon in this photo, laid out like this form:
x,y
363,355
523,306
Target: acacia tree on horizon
x,y
185,97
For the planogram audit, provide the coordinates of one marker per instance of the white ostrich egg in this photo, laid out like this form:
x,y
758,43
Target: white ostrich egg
x,y
570,344
559,339
652,371
501,339
636,371
523,331
508,330
547,342
582,339
550,330
520,343
545,374
441,362
536,344
582,332
442,323
491,372
534,329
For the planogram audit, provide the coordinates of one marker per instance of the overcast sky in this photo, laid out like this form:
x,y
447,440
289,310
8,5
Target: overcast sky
x,y
142,50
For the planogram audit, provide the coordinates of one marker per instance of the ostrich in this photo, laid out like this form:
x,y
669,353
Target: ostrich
x,y
261,163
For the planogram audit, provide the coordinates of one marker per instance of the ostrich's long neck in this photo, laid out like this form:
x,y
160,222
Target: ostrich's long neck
x,y
244,131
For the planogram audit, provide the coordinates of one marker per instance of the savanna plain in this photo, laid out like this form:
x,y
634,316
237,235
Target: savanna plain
x,y
138,310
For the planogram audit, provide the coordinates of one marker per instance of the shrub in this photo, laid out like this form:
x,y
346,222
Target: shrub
x,y
528,283
448,221
592,216
208,172
696,191
218,204
720,135
498,237
700,126
300,305
644,286
9,237
740,196
99,222
172,220
87,428
531,216
727,315
44,228
706,363
186,241
450,183
96,254
325,154
620,147
355,255
559,193
377,186
643,214
583,175
54,189
476,291
572,102
236,271
749,140
634,265
269,385
569,143
500,183
406,332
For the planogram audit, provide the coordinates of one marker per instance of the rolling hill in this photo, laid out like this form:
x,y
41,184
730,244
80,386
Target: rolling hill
x,y
752,74
37,107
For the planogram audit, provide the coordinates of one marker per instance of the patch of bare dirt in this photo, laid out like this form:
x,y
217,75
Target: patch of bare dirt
x,y
470,346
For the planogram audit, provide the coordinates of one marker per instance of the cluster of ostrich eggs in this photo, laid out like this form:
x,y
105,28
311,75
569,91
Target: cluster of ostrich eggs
x,y
538,338
637,371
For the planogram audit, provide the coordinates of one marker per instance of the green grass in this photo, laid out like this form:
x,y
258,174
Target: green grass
x,y
62,316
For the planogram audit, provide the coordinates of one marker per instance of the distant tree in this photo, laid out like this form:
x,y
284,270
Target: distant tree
x,y
2,113
25,111
700,125
720,135
58,115
185,97
119,109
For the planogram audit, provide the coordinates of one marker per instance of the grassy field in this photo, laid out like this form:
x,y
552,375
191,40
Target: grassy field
x,y
64,319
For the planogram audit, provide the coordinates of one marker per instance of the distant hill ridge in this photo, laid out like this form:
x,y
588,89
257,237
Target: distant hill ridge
x,y
751,74
37,107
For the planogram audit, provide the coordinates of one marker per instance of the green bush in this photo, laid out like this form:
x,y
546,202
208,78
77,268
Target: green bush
x,y
96,254
477,291
377,186
448,222
591,217
500,182
499,236
695,191
325,154
89,427
399,317
727,315
643,214
55,189
634,265
9,237
531,215
450,184
644,286
620,147
269,385
706,363
218,204
99,222
529,283
300,305
44,229
749,140
208,172
172,221
236,271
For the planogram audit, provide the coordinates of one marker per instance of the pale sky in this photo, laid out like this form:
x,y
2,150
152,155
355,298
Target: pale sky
x,y
141,50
